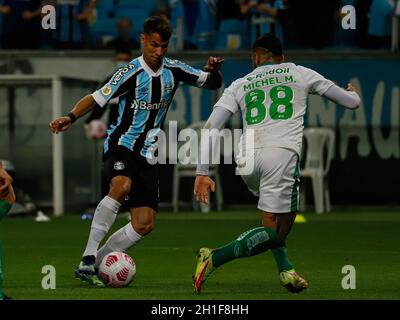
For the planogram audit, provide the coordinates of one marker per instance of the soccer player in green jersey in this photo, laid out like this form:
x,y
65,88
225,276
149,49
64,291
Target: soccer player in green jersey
x,y
7,198
272,100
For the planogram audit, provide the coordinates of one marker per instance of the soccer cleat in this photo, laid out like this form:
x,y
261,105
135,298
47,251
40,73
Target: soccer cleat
x,y
5,297
204,268
292,281
86,272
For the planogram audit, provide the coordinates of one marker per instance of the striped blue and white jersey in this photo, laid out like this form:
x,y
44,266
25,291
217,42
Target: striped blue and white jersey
x,y
144,99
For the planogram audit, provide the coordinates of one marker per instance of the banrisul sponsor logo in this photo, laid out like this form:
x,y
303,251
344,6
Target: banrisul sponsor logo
x,y
121,73
143,105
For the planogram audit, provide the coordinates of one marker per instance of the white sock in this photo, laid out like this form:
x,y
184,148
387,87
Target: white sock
x,y
121,240
103,219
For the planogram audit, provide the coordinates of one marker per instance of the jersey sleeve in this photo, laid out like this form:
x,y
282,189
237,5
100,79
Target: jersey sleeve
x,y
119,83
347,99
188,75
228,99
316,83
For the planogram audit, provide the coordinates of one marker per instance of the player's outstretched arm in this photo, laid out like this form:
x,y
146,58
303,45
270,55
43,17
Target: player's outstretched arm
x,y
348,98
213,66
203,183
81,108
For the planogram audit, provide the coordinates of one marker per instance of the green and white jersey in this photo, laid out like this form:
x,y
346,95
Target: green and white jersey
x,y
273,100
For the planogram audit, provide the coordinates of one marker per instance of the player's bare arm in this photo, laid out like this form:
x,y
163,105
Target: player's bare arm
x,y
203,182
213,66
29,15
83,106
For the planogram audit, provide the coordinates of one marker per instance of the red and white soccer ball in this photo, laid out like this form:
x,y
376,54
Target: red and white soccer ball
x,y
117,269
96,129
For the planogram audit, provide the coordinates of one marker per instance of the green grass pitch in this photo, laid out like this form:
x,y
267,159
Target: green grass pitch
x,y
367,239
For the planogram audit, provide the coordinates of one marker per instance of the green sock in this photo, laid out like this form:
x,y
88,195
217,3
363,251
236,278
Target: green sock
x,y
249,243
4,208
281,258
1,272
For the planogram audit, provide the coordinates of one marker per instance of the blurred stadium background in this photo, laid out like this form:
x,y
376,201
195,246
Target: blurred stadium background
x,y
44,72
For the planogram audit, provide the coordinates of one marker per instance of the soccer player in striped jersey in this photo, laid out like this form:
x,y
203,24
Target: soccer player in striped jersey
x,y
7,198
145,87
272,100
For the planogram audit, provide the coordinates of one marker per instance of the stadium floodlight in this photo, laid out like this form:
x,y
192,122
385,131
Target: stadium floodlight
x,y
55,82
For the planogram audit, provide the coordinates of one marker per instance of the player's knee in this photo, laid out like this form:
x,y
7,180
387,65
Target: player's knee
x,y
120,188
143,227
143,220
269,220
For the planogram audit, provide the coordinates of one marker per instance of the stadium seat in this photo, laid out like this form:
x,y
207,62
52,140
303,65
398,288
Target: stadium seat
x,y
189,170
105,9
139,5
178,16
380,18
130,3
265,22
320,142
103,30
233,34
137,17
205,29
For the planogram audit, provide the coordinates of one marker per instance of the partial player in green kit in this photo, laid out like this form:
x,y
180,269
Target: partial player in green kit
x,y
7,198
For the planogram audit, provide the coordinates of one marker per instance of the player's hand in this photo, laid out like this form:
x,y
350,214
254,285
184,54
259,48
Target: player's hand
x,y
351,88
5,184
60,124
213,64
201,187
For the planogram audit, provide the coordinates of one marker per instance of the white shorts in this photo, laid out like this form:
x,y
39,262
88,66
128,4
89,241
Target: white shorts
x,y
275,179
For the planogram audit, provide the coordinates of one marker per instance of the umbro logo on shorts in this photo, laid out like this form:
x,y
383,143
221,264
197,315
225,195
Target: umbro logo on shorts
x,y
119,166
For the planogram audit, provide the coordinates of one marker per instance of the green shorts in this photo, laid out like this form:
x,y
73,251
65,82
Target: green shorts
x,y
4,208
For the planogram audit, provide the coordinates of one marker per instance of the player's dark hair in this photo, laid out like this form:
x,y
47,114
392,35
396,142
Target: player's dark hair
x,y
269,42
158,24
